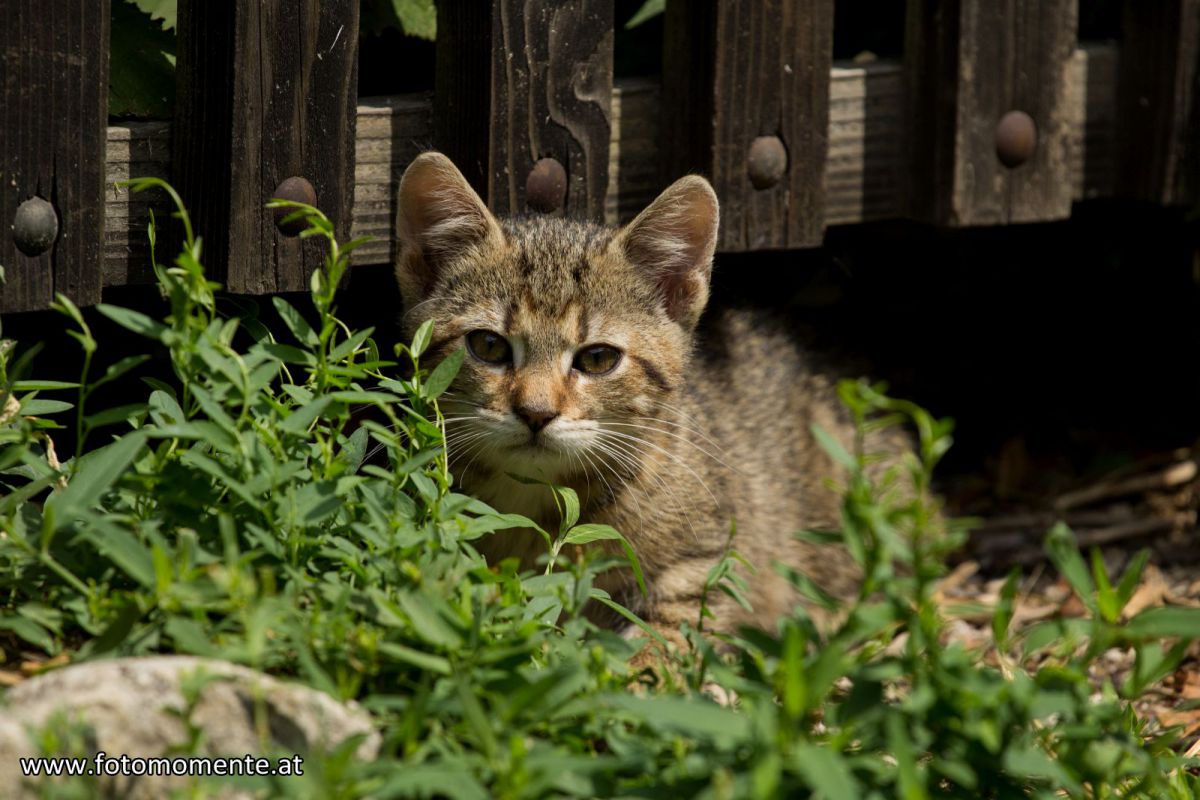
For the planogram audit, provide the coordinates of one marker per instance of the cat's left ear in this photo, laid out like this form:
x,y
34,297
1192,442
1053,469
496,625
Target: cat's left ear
x,y
672,242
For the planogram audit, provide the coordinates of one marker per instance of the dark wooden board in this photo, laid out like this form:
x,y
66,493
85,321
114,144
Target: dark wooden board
x,y
522,80
968,63
1158,130
736,71
267,90
54,92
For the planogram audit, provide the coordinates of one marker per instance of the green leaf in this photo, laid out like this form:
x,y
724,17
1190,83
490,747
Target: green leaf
x,y
298,421
422,338
1030,762
443,374
288,354
189,637
430,619
119,546
200,430
162,10
604,598
833,447
134,321
111,416
418,17
350,345
592,532
1064,552
826,771
649,10
28,630
42,386
1131,578
1165,621
424,661
142,61
1152,663
164,409
96,472
691,718
118,369
1003,614
453,781
295,322
40,408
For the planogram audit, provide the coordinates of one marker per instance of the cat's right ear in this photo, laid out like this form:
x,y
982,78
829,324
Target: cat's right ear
x,y
440,219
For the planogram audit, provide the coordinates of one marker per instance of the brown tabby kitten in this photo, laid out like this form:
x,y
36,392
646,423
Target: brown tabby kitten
x,y
582,370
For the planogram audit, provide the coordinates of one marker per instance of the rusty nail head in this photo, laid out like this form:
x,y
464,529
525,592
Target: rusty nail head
x,y
298,190
766,162
1016,139
34,226
546,186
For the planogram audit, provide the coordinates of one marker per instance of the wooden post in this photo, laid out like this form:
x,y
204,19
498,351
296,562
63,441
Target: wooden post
x,y
54,96
523,97
267,91
1158,130
988,126
746,102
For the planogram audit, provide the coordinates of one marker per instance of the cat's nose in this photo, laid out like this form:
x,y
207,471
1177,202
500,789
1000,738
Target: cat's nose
x,y
536,417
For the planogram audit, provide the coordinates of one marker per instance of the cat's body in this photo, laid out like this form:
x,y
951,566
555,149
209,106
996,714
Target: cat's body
x,y
587,368
735,446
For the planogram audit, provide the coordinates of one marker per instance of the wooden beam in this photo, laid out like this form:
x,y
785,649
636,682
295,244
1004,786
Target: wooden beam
x,y
526,81
267,90
746,102
865,170
1159,133
54,92
973,69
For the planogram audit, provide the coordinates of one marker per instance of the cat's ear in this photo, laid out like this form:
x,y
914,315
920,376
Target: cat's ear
x,y
672,242
440,218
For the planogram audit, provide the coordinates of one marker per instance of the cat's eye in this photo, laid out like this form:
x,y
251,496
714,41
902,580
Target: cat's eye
x,y
599,359
489,347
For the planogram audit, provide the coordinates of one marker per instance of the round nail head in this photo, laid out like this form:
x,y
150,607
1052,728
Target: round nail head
x,y
1016,139
298,190
766,162
35,226
546,186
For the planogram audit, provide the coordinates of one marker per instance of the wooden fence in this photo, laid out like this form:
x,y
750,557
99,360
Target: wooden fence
x,y
996,114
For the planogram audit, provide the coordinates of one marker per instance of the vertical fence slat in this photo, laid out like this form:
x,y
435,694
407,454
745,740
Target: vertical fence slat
x,y
267,90
746,102
968,63
54,96
523,80
1159,100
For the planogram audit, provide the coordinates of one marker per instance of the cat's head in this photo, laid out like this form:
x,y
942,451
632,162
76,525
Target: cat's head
x,y
574,332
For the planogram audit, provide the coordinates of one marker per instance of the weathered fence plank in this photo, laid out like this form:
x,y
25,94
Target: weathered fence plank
x,y
54,96
746,102
529,84
1159,123
865,167
266,92
988,127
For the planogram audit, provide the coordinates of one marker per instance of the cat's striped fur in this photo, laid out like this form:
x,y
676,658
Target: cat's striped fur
x,y
684,438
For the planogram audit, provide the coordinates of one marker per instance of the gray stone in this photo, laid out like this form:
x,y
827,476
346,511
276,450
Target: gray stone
x,y
137,707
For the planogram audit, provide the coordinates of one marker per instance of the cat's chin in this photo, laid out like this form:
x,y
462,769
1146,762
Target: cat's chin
x,y
537,460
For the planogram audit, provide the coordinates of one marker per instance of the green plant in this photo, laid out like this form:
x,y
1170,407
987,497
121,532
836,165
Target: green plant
x,y
236,514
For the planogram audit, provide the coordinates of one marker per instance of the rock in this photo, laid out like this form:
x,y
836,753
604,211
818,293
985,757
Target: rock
x,y
137,707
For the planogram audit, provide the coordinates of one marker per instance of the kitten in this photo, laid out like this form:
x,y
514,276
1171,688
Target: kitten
x,y
583,369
